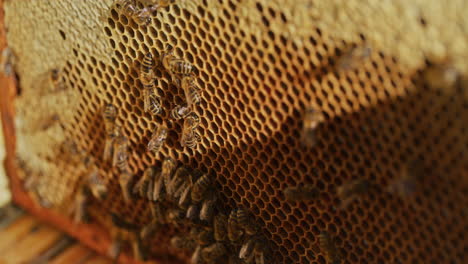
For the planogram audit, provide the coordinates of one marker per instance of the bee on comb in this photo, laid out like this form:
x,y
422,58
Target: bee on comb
x,y
327,245
130,9
352,190
157,139
442,77
353,57
97,185
303,193
174,65
406,183
312,119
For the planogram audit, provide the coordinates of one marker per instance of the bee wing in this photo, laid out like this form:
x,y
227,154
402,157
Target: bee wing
x,y
207,209
124,182
115,249
158,190
149,190
149,229
192,212
259,258
196,256
185,197
157,212
246,249
136,188
108,149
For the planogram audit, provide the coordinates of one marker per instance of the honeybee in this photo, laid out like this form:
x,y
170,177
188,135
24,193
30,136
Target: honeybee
x,y
200,188
190,136
354,56
109,114
352,190
130,9
179,177
154,101
149,229
246,251
259,251
146,70
203,236
213,252
234,232
246,222
141,187
406,184
193,212
312,119
191,91
167,169
157,212
125,180
196,256
174,65
327,245
55,78
178,192
182,242
97,185
441,77
109,142
120,159
220,227
158,188
81,205
175,216
301,193
157,139
207,209
180,112
116,248
184,199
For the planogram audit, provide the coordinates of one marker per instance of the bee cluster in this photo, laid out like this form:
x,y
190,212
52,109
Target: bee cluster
x,y
186,198
183,198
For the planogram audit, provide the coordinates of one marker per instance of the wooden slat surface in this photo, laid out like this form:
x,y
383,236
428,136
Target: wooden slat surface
x,y
27,240
16,231
73,255
31,246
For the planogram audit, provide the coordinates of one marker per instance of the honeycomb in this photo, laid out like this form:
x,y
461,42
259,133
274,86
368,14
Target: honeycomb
x,y
260,64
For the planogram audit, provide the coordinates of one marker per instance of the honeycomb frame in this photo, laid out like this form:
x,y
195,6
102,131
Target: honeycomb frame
x,y
256,84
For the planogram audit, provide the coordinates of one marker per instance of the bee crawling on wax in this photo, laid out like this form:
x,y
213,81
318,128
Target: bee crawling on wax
x,y
190,137
97,185
175,66
353,57
301,193
129,8
352,190
312,119
157,139
327,245
120,155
